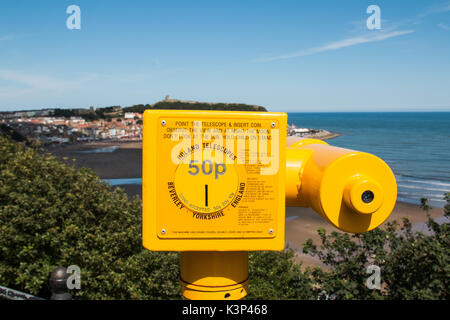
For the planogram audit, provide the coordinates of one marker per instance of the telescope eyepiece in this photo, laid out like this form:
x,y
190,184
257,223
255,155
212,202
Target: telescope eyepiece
x,y
367,196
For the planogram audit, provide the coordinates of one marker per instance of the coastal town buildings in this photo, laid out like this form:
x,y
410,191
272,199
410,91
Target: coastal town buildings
x,y
76,129
129,128
110,123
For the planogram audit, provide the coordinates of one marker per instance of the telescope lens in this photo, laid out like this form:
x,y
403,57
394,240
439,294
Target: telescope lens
x,y
367,196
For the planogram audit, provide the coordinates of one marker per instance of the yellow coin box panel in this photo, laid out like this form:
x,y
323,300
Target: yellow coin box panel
x,y
213,180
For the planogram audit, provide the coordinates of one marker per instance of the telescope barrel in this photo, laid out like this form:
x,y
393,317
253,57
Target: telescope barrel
x,y
354,191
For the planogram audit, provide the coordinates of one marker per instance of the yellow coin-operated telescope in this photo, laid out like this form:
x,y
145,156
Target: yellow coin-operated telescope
x,y
216,184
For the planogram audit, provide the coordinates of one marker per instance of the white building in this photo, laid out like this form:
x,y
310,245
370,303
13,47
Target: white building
x,y
129,115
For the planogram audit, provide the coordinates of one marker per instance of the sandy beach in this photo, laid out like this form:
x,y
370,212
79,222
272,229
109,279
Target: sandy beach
x,y
126,162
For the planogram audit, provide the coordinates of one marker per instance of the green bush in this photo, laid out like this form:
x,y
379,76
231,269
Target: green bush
x,y
180,105
413,265
275,275
52,214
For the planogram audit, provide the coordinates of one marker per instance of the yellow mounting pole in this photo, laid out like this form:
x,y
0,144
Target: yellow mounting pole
x,y
214,275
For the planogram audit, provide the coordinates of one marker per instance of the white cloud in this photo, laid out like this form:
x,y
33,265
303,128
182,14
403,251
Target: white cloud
x,y
442,8
35,81
436,9
10,37
370,37
17,84
443,26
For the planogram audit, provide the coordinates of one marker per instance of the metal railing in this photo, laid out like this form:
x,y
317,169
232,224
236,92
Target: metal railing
x,y
58,286
11,294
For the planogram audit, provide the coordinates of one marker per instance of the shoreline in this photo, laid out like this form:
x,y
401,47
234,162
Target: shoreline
x,y
121,160
125,161
137,144
302,223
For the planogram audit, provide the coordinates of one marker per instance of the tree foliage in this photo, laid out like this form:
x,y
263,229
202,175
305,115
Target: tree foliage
x,y
413,265
275,275
180,105
206,106
52,214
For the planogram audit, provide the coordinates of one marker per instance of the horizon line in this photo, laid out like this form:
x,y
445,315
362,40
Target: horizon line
x,y
434,109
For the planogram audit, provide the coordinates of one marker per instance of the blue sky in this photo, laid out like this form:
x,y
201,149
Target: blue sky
x,y
284,55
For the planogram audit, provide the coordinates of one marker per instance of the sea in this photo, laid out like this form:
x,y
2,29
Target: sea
x,y
416,145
